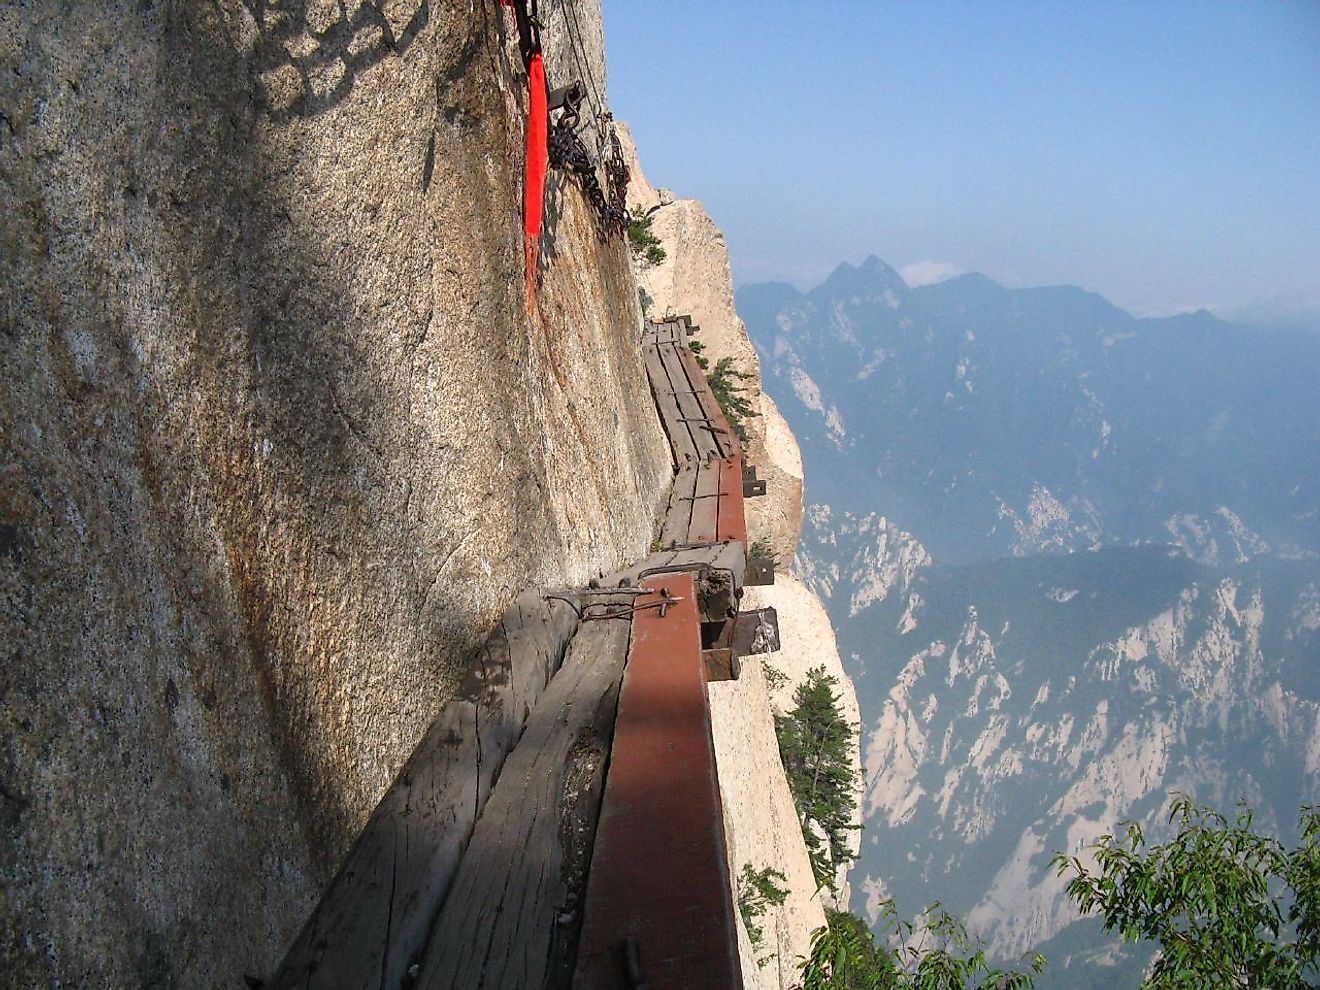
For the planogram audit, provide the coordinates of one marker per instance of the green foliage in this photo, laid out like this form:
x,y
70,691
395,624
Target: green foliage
x,y
774,677
728,393
758,890
696,347
645,245
761,548
844,956
933,953
815,745
1227,907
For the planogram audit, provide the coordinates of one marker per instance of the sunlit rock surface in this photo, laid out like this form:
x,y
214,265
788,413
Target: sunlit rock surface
x,y
695,280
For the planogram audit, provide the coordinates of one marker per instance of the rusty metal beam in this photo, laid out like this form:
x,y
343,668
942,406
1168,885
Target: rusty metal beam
x,y
731,523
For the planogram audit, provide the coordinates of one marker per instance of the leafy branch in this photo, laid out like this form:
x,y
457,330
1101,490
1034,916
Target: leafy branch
x,y
758,890
933,953
1227,906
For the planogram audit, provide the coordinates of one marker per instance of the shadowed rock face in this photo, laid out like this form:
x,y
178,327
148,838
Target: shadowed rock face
x,y
278,441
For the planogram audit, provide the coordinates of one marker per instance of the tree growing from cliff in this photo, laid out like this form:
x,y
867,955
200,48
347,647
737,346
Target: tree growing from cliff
x,y
724,385
644,243
724,382
1227,907
933,953
815,746
757,891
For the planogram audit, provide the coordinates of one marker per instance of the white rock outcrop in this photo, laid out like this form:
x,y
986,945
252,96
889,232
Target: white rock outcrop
x,y
761,825
760,820
695,279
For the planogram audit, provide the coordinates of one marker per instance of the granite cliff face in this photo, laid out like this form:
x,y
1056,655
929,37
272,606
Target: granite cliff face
x,y
279,440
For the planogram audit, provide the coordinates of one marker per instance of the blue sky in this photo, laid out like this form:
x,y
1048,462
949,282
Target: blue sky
x,y
1164,154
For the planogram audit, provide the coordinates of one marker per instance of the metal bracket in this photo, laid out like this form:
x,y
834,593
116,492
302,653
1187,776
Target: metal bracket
x,y
570,95
756,631
760,571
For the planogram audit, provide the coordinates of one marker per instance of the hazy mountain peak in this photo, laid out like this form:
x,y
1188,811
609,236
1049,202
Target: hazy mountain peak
x,y
1034,661
1197,320
872,278
972,280
874,264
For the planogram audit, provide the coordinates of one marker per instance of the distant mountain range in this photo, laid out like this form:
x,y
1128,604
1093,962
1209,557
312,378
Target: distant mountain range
x,y
1073,559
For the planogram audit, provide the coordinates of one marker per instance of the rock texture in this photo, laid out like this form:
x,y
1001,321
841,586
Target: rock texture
x,y
760,820
695,279
279,441
761,826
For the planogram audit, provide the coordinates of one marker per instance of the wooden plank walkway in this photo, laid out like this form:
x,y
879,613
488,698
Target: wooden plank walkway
x,y
484,862
372,923
511,916
706,503
659,901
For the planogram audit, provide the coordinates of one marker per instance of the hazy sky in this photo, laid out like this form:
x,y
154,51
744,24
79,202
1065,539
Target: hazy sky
x,y
1166,155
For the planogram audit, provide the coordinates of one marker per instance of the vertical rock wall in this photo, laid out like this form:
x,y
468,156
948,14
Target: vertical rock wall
x,y
278,440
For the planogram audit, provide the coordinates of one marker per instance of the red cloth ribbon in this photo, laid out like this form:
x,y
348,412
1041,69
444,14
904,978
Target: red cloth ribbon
x,y
537,163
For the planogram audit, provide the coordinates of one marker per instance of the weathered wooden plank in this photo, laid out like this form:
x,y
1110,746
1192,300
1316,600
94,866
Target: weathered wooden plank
x,y
671,419
686,365
702,527
512,913
691,415
373,920
692,392
725,440
659,879
668,332
677,526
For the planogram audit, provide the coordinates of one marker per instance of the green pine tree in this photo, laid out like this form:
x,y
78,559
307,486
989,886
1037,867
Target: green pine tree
x,y
815,745
724,385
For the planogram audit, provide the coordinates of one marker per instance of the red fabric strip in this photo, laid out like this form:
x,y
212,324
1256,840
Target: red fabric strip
x,y
537,162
